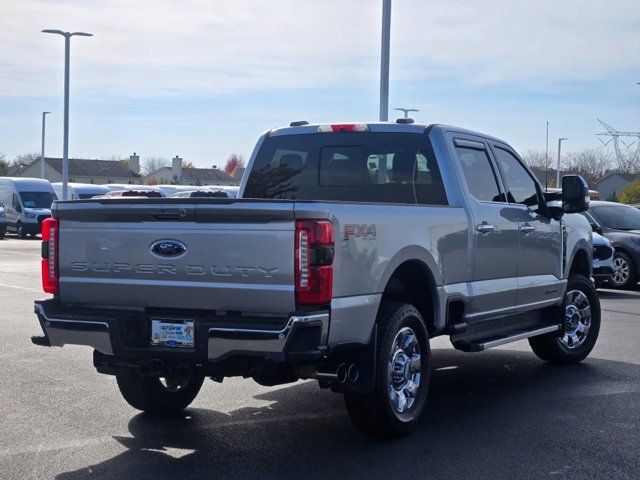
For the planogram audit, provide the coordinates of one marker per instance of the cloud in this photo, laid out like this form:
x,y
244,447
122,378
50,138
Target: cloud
x,y
147,48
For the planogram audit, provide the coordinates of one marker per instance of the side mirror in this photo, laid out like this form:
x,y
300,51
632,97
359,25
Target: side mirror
x,y
575,194
17,208
596,228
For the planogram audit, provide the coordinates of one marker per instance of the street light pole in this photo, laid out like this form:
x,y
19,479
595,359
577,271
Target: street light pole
x,y
44,121
65,144
384,60
560,140
546,161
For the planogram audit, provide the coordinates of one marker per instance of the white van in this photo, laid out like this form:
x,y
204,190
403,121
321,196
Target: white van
x,y
79,191
27,202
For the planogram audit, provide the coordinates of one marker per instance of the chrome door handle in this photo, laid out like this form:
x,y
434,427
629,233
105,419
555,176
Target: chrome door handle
x,y
526,228
485,228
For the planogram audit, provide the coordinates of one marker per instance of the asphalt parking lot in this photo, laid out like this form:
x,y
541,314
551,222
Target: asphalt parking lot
x,y
497,414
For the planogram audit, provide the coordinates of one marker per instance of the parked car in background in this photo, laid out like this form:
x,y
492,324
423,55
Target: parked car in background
x,y
80,191
130,186
3,222
621,225
201,193
134,192
602,259
27,202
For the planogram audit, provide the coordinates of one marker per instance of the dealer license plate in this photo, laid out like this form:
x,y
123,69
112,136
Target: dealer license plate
x,y
172,333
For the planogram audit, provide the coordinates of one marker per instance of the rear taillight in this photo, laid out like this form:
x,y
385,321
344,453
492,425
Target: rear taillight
x,y
50,273
313,262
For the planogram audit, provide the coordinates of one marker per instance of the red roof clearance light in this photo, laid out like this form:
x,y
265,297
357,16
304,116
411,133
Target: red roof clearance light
x,y
343,127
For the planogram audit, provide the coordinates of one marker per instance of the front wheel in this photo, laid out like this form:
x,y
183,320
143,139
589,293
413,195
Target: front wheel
x,y
580,328
624,272
20,230
403,369
160,395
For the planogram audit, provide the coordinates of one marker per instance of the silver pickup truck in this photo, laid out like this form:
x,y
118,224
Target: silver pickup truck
x,y
349,248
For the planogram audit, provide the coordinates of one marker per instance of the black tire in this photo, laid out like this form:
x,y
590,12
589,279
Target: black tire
x,y
625,275
149,394
20,231
374,413
555,348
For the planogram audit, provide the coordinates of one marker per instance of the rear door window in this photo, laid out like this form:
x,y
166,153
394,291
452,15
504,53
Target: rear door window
x,y
357,167
481,179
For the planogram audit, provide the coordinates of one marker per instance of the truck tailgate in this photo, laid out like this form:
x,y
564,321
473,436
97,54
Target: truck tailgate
x,y
238,255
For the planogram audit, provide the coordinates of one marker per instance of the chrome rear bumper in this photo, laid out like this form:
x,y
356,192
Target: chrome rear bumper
x,y
65,331
301,333
225,341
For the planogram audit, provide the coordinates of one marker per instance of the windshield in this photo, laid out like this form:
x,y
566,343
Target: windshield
x,y
37,199
619,217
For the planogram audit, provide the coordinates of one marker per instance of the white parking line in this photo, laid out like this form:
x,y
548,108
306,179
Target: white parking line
x,y
20,288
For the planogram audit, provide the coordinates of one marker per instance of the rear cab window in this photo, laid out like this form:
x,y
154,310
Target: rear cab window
x,y
370,167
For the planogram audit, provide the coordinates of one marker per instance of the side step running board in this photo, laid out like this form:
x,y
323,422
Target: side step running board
x,y
483,344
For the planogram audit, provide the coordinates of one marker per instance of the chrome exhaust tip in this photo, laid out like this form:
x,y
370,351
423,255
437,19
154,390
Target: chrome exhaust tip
x,y
341,373
353,373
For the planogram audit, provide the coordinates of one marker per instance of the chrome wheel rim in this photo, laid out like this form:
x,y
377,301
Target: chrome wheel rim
x,y
620,271
577,319
404,370
174,383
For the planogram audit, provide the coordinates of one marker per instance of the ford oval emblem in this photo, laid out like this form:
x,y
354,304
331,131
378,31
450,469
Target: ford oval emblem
x,y
168,248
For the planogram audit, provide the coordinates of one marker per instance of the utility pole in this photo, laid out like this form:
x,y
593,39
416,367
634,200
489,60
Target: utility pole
x,y
65,148
44,122
384,60
560,140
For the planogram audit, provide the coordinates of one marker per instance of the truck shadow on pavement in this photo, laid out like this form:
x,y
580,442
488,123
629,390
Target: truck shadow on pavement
x,y
499,414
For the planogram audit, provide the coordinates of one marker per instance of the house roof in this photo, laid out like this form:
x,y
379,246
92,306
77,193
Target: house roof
x,y
205,174
627,177
81,167
201,174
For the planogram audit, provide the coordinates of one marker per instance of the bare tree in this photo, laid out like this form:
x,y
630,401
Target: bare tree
x,y
4,165
153,164
537,159
25,159
592,164
627,161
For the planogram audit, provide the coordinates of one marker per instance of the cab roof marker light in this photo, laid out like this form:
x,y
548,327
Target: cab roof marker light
x,y
343,127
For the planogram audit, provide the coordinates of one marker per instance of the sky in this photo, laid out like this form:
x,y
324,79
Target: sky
x,y
203,79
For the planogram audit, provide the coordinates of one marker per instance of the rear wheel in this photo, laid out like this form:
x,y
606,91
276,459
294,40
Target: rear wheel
x,y
160,395
581,326
403,369
624,272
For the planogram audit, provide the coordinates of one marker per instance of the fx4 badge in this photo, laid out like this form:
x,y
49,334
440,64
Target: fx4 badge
x,y
365,231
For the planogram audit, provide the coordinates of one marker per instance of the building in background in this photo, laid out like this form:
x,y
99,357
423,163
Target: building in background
x,y
177,175
86,171
614,183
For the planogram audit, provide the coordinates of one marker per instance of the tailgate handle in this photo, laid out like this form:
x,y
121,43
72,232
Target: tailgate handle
x,y
179,214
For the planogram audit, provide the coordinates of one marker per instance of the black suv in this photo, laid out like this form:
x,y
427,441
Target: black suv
x,y
621,225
